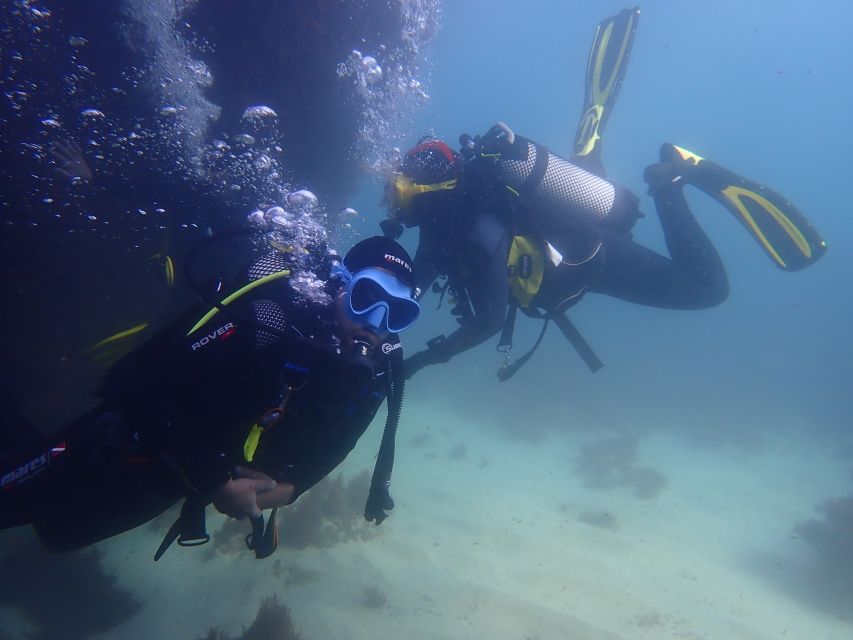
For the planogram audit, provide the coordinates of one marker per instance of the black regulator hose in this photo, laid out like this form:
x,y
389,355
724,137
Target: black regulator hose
x,y
379,499
189,263
291,337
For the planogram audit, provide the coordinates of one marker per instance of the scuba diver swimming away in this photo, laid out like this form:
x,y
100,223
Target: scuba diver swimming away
x,y
505,224
244,402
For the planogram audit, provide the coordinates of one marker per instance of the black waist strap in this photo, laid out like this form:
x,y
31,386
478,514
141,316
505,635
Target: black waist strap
x,y
577,341
566,326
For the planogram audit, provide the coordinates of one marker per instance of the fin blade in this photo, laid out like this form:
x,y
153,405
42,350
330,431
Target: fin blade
x,y
777,225
116,337
780,229
169,268
112,348
606,66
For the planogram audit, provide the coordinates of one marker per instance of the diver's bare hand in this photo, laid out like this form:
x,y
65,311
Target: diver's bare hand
x,y
238,497
278,496
70,161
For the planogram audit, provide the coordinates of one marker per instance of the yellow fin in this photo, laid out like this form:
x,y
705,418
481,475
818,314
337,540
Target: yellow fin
x,y
165,261
689,156
121,335
169,267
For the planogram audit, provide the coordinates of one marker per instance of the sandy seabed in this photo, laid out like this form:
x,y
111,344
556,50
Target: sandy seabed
x,y
498,538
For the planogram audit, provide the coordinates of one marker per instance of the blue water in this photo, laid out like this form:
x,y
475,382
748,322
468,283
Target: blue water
x,y
755,87
744,408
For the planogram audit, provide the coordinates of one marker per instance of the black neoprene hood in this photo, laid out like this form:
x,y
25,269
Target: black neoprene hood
x,y
381,252
430,162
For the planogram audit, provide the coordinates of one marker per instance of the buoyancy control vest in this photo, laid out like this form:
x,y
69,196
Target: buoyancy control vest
x,y
556,198
189,529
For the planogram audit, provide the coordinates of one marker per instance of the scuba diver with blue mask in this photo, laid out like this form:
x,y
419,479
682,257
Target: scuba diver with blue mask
x,y
244,402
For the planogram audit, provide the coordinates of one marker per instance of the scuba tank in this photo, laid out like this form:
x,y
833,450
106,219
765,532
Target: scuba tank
x,y
556,190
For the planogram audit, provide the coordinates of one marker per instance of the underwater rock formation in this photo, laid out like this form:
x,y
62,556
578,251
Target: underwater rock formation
x,y
611,462
373,598
273,622
330,513
831,540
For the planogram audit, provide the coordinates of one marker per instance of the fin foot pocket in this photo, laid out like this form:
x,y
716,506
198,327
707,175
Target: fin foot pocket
x,y
662,176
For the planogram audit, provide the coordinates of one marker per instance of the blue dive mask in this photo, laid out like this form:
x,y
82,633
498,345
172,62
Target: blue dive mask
x,y
379,300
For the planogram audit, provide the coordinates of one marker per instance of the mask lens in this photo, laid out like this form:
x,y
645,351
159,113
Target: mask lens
x,y
365,294
368,295
402,314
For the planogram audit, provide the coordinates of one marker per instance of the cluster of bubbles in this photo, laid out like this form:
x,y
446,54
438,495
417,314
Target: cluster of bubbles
x,y
296,228
236,169
388,84
104,140
364,69
154,119
249,161
46,110
175,76
96,126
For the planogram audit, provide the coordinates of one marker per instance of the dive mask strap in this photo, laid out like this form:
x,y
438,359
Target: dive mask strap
x,y
339,271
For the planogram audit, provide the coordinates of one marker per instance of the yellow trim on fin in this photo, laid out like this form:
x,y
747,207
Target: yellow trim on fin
x,y
600,97
688,155
242,291
588,128
118,336
735,195
170,270
601,94
165,261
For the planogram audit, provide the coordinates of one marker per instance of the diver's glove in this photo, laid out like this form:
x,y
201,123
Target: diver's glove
x,y
433,354
379,502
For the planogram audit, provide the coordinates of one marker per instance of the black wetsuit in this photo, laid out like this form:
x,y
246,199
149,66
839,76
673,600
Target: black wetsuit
x,y
177,412
469,242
